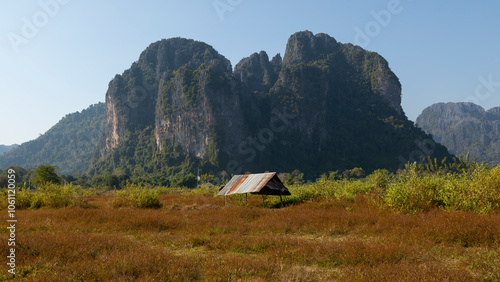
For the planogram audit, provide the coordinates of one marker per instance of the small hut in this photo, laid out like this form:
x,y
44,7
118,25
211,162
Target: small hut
x,y
262,184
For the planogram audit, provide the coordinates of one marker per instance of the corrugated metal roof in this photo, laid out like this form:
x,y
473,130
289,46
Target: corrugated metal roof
x,y
253,183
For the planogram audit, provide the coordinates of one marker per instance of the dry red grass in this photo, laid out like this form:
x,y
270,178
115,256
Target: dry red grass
x,y
197,238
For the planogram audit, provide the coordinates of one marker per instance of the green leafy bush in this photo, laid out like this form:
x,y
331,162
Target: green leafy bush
x,y
325,189
46,174
51,195
137,196
412,192
475,189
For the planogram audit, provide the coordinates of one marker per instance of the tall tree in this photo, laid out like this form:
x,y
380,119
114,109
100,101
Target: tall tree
x,y
46,174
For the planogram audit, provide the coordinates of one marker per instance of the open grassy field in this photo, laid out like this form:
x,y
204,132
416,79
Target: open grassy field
x,y
413,226
197,238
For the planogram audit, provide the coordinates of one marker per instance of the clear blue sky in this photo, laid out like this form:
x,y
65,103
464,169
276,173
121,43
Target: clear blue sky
x,y
69,50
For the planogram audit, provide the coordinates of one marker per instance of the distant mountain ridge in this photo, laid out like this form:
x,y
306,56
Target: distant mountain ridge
x,y
463,128
6,148
68,145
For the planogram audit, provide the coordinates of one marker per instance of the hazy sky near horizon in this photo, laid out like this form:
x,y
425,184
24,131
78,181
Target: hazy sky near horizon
x,y
58,56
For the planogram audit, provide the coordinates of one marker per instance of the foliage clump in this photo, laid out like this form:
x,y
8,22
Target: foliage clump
x,y
51,195
137,196
476,188
46,174
461,185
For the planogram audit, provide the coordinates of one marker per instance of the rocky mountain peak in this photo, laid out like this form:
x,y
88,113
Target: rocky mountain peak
x,y
305,46
277,60
168,55
181,105
256,73
494,113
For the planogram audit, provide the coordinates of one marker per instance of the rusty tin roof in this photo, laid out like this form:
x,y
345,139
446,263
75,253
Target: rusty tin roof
x,y
262,183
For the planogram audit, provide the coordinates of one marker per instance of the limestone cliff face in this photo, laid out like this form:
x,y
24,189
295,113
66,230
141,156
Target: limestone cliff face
x,y
342,105
130,101
317,79
255,76
307,47
256,73
195,105
116,123
375,69
182,89
323,106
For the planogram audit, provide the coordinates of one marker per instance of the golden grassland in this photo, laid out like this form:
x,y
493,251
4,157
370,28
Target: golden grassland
x,y
413,226
197,238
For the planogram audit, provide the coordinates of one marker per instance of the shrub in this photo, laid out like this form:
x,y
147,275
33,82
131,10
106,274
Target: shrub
x,y
325,189
137,196
46,174
380,179
478,191
413,192
475,189
51,195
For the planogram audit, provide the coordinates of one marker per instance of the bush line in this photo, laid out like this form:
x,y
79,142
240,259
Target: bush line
x,y
472,187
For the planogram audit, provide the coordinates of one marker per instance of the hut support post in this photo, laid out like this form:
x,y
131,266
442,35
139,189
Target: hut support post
x,y
263,202
246,198
281,200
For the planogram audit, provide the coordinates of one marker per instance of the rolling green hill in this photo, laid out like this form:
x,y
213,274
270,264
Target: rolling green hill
x,y
68,145
6,148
